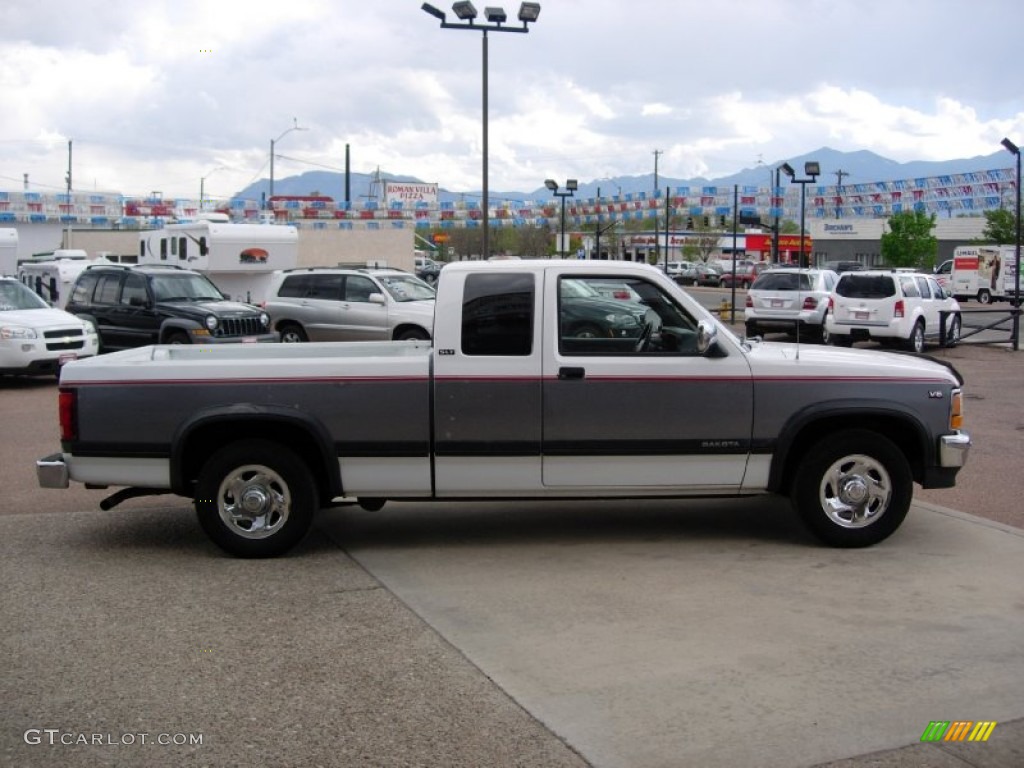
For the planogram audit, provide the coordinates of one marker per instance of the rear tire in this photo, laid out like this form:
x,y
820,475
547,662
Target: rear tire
x,y
953,331
413,334
853,488
915,342
255,498
984,297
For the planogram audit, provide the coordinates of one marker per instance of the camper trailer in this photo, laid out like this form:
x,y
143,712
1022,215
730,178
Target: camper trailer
x,y
238,258
52,277
8,251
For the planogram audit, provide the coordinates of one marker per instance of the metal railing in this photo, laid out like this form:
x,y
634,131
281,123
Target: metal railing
x,y
1005,329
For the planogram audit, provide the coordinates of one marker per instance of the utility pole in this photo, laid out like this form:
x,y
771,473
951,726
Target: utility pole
x,y
68,178
656,153
839,191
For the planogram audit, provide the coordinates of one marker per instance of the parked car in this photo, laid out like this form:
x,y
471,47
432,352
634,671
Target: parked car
x,y
745,274
891,307
335,304
35,338
789,300
699,273
588,309
674,268
132,306
427,270
843,266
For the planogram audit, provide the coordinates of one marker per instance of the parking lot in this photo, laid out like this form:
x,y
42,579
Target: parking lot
x,y
544,634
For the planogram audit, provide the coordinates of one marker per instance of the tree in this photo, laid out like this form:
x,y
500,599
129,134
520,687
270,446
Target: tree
x,y
909,241
1000,227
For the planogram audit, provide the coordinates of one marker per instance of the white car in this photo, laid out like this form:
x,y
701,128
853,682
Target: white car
x,y
35,338
789,300
892,307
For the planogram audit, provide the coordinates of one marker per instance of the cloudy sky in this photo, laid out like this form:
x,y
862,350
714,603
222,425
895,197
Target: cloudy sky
x,y
158,95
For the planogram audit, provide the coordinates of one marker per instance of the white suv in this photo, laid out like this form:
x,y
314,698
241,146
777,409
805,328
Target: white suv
x,y
789,300
35,338
891,307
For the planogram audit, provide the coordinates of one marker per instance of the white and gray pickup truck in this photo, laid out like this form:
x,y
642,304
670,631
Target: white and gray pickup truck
x,y
544,380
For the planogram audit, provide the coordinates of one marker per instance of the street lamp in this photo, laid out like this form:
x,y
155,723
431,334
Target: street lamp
x,y
812,169
202,184
295,127
1013,148
466,12
571,185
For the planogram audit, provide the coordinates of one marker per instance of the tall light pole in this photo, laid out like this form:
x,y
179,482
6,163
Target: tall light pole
x,y
202,185
295,127
812,170
1011,147
528,13
571,185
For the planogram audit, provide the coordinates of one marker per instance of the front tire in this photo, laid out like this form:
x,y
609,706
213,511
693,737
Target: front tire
x,y
292,334
255,499
853,489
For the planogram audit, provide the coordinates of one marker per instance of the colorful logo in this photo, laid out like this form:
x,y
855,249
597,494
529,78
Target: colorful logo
x,y
958,730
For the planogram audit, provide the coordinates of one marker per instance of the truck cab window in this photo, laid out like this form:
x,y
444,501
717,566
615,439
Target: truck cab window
x,y
604,315
497,314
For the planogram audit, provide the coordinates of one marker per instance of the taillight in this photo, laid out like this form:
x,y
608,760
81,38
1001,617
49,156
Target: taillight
x,y
749,302
810,302
831,304
898,310
67,406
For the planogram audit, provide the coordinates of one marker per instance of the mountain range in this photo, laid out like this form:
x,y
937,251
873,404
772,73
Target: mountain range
x,y
861,167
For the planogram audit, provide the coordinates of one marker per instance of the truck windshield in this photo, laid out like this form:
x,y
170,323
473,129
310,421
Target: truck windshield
x,y
187,287
407,288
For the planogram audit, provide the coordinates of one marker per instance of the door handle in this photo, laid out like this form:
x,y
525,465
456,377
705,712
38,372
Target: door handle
x,y
566,372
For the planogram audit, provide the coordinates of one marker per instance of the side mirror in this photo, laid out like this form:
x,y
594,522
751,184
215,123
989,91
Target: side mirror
x,y
138,301
377,298
707,336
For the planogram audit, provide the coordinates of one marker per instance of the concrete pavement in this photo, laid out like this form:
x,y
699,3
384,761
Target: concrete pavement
x,y
570,634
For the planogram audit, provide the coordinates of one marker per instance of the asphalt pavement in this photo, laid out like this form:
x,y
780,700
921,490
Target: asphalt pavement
x,y
565,634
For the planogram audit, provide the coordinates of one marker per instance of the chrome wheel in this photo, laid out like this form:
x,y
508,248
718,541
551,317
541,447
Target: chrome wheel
x,y
254,502
255,498
855,491
852,488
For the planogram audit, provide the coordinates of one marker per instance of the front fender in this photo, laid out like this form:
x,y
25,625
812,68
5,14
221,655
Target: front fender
x,y
896,421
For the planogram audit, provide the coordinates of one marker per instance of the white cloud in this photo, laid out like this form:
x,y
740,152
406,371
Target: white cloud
x,y
156,95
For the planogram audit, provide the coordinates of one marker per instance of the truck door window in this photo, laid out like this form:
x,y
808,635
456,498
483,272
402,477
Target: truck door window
x,y
604,315
497,314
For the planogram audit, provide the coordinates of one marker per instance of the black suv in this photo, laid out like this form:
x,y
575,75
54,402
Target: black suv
x,y
132,306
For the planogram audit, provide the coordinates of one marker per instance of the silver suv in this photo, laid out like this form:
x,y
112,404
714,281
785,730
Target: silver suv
x,y
331,304
892,307
789,300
